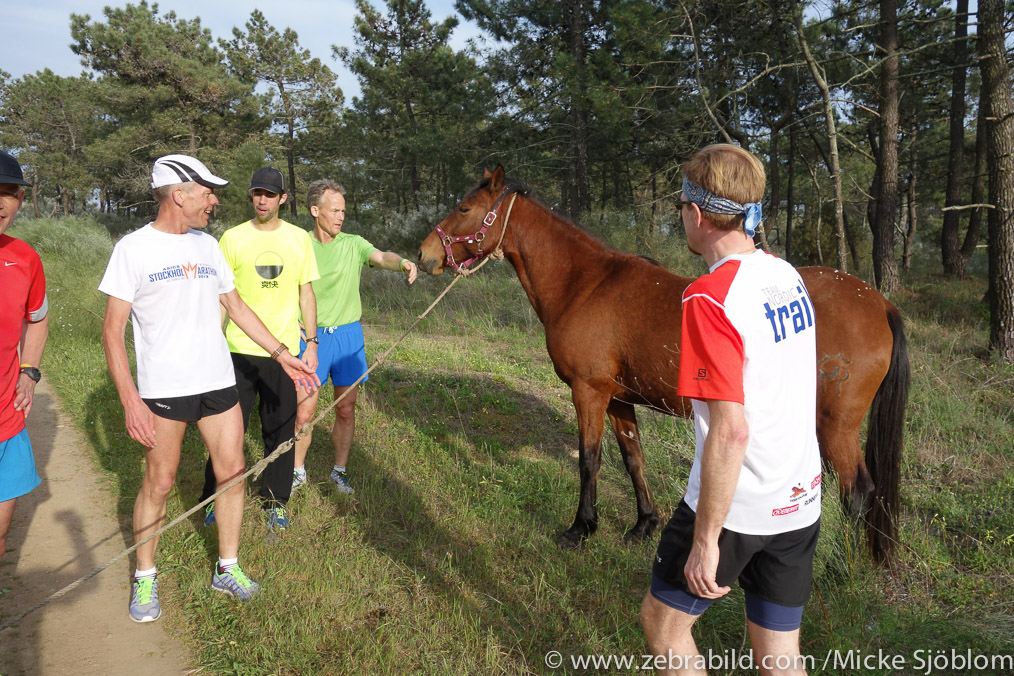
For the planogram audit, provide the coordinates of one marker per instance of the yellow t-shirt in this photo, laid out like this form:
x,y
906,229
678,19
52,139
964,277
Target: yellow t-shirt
x,y
270,266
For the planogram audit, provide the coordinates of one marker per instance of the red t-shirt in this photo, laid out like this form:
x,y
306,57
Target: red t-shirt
x,y
22,298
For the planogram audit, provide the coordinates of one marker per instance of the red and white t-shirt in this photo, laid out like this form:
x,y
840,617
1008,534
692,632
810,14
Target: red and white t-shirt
x,y
22,298
748,337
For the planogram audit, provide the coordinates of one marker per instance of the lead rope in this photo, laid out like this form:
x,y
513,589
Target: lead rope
x,y
259,466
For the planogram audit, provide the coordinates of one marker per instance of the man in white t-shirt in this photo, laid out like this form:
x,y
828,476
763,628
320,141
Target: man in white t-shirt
x,y
748,362
169,278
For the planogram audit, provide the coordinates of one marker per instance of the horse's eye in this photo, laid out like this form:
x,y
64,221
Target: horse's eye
x,y
463,209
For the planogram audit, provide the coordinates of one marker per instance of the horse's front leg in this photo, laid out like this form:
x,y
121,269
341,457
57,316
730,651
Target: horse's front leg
x,y
624,421
591,408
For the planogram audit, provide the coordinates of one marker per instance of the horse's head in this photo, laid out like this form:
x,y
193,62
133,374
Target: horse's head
x,y
471,230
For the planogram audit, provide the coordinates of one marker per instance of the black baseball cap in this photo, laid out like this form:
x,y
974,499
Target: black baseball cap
x,y
268,178
10,170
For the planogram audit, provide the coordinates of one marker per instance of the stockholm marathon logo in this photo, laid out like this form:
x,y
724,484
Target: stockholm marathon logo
x,y
172,273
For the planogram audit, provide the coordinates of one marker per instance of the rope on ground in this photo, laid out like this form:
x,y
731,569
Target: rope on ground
x,y
259,466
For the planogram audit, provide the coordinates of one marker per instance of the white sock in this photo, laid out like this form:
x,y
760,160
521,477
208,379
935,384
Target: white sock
x,y
300,470
138,574
225,565
339,468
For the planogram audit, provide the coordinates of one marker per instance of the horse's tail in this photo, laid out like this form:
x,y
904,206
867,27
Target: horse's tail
x,y
884,444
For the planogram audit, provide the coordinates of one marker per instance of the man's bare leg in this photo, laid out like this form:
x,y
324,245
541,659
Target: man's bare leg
x,y
161,462
223,435
6,512
776,652
305,409
344,424
669,636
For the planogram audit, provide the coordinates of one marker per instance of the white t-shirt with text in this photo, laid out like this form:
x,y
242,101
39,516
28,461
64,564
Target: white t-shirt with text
x,y
173,284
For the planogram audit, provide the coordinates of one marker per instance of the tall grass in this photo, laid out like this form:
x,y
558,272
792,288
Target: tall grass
x,y
446,559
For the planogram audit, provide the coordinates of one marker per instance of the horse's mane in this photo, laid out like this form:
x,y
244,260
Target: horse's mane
x,y
520,187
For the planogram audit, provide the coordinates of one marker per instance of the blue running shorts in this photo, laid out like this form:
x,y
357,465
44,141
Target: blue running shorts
x,y
17,467
341,354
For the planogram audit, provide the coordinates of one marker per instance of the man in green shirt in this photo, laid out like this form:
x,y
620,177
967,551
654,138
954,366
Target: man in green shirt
x,y
341,347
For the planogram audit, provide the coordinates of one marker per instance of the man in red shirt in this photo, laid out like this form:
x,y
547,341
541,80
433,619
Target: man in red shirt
x,y
24,327
751,513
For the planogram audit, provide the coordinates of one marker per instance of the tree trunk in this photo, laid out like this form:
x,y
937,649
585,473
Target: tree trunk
x,y
580,194
1000,153
290,156
910,232
951,257
35,194
841,250
885,267
850,236
790,204
978,185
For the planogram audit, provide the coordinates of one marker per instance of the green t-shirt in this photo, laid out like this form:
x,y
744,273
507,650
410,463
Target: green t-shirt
x,y
340,262
269,267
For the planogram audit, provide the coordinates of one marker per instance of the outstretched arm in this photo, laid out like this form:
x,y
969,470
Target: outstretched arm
x,y
140,420
245,318
33,340
392,261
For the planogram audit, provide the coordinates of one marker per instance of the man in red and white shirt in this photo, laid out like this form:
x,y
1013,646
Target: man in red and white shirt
x,y
24,327
748,362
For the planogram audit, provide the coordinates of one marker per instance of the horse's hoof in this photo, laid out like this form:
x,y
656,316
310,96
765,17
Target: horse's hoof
x,y
633,536
642,530
571,539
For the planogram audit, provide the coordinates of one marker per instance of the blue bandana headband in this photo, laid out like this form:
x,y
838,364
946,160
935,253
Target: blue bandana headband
x,y
709,201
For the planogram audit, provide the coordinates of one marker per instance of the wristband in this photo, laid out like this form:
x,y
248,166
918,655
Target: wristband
x,y
278,351
400,266
315,339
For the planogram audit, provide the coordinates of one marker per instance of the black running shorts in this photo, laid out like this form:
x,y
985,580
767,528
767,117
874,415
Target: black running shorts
x,y
776,568
193,407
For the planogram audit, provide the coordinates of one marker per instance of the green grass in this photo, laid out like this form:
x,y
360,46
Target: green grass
x,y
446,561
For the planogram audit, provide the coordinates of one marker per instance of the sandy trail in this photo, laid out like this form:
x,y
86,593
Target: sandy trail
x,y
63,529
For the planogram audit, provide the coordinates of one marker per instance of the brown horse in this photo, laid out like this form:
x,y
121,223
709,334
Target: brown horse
x,y
612,324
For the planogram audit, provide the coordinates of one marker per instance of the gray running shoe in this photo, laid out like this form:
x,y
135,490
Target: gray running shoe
x,y
298,479
235,583
144,605
341,482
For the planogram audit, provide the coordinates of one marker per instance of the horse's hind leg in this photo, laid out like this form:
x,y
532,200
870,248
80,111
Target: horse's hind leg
x,y
839,444
624,421
591,408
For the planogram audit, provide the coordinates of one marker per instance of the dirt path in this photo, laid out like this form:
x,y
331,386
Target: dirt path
x,y
63,529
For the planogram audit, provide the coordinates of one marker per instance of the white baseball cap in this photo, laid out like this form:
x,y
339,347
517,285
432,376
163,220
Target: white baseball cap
x,y
173,169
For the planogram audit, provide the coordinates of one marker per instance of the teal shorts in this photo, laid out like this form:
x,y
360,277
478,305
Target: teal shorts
x,y
17,467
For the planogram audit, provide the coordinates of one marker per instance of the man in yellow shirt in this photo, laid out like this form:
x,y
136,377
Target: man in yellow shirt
x,y
274,266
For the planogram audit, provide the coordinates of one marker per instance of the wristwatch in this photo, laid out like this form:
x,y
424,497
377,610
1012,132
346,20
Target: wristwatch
x,y
32,372
315,339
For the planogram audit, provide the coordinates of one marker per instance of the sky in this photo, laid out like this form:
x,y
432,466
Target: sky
x,y
37,34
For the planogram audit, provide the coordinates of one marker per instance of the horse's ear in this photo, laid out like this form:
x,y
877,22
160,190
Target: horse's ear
x,y
486,174
496,180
